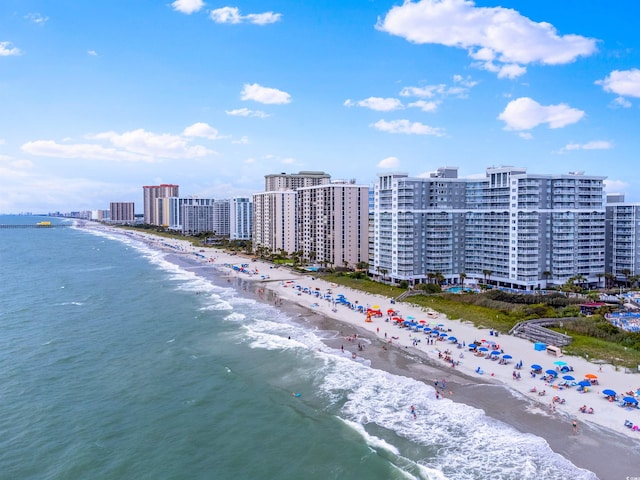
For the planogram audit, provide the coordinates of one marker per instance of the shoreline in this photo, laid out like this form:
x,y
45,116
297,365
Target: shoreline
x,y
602,445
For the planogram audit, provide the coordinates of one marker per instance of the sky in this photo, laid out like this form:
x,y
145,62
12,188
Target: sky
x,y
101,97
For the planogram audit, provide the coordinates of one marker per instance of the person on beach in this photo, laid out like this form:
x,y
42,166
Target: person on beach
x,y
413,412
574,424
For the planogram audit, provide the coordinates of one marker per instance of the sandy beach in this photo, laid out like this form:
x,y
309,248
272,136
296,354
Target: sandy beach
x,y
602,442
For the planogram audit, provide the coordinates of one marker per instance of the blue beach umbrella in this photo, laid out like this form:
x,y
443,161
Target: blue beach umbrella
x,y
630,400
483,349
507,357
453,339
427,329
584,383
473,345
495,352
552,372
536,367
568,377
444,334
609,393
560,363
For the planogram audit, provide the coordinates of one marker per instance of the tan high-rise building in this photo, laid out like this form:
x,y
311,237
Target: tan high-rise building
x,y
122,212
332,224
294,181
150,197
274,226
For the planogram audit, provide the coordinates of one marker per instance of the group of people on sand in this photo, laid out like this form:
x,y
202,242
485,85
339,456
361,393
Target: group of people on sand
x,y
585,409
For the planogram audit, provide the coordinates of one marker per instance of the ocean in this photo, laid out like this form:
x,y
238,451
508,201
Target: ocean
x,y
118,361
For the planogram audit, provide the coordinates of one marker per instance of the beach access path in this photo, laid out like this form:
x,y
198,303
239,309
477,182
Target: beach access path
x,y
289,286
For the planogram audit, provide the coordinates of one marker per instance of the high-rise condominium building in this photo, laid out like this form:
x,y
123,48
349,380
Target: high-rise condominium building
x,y
623,238
332,224
274,224
170,209
510,229
207,217
150,196
122,212
293,181
241,218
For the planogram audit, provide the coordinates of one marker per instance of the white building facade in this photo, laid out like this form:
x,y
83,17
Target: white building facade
x,y
241,218
511,228
274,222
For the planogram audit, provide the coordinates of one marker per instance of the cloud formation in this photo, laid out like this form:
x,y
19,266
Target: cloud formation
x,y
187,6
593,145
245,112
232,15
36,18
498,39
389,162
266,95
625,83
133,146
376,103
407,127
525,113
7,49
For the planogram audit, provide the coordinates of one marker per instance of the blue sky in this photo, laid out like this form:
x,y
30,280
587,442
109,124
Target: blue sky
x,y
101,97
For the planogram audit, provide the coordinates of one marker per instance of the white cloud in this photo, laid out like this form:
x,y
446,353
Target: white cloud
x,y
151,144
245,112
244,140
7,49
266,95
50,148
93,53
376,103
407,127
288,161
132,146
525,113
460,88
614,186
187,6
500,39
621,102
593,145
36,18
389,162
525,135
625,83
201,129
425,106
232,15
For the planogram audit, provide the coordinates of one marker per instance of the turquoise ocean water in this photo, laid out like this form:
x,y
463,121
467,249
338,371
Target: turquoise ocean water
x,y
116,362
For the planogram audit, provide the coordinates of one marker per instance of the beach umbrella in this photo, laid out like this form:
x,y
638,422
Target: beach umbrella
x,y
375,307
483,349
441,324
630,400
536,367
423,321
590,375
409,317
568,377
473,345
427,329
584,383
609,393
560,363
495,352
444,334
552,372
453,339
507,357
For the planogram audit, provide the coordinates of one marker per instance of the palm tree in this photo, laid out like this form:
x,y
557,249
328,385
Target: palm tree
x,y
599,275
487,275
463,277
608,279
626,272
546,275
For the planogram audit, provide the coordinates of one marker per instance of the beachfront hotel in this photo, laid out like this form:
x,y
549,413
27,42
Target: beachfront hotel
x,y
623,237
122,212
150,194
293,181
241,218
512,229
333,224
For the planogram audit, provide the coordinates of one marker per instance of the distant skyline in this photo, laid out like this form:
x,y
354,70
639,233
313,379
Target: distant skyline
x,y
102,97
